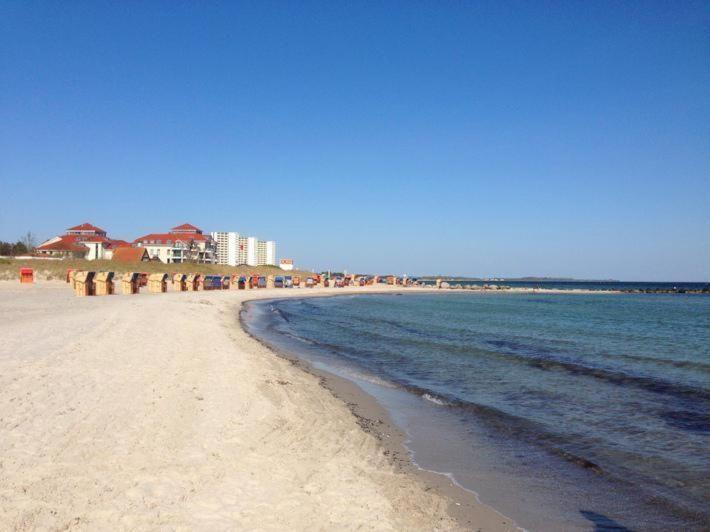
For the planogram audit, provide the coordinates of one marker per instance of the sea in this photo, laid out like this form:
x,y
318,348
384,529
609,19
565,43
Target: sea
x,y
562,411
605,286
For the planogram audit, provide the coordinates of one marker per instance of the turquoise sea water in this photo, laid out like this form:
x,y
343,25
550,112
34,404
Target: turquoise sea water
x,y
593,408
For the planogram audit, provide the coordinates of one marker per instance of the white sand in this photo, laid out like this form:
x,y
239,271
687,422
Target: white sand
x,y
157,411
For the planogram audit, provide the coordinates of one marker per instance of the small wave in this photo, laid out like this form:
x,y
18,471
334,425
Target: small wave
x,y
370,378
511,425
686,364
295,337
650,384
434,399
545,361
280,313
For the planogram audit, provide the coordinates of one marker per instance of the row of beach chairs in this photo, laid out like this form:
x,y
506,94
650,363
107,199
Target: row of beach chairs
x,y
88,283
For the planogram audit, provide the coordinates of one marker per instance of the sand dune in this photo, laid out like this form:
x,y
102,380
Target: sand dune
x,y
159,412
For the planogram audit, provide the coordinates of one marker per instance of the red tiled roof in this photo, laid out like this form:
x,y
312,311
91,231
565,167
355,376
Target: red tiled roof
x,y
73,242
119,243
162,238
186,227
65,243
130,254
86,226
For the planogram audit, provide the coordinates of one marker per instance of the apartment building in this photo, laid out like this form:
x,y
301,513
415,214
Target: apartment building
x,y
227,247
243,250
260,252
234,249
184,243
270,257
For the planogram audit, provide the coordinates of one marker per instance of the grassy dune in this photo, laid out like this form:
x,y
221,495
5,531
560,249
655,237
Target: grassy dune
x,y
57,269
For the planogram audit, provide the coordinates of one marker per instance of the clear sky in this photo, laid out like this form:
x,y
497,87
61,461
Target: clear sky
x,y
501,138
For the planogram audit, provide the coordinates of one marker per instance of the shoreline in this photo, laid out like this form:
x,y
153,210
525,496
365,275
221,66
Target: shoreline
x,y
373,418
260,328
121,414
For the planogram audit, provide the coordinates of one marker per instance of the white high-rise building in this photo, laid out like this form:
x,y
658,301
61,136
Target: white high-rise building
x,y
227,247
260,252
271,252
252,252
243,249
234,249
265,253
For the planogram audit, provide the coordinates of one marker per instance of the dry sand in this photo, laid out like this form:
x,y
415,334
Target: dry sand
x,y
157,411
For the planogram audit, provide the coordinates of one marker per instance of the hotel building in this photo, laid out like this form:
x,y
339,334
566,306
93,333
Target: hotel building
x,y
84,241
184,243
234,249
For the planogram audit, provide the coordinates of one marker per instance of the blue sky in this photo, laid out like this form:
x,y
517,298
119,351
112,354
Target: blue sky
x,y
501,138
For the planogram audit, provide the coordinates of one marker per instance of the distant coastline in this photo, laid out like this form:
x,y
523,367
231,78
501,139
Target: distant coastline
x,y
517,279
568,285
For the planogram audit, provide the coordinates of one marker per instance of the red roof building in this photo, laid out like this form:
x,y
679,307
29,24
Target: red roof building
x,y
169,238
67,243
184,243
81,241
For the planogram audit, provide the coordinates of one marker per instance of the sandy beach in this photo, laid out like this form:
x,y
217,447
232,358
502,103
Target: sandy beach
x,y
157,411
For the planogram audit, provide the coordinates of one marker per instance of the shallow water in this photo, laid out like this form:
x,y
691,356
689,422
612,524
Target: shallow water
x,y
562,411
